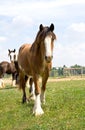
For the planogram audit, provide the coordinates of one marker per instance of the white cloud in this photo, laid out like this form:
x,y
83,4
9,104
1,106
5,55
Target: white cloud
x,y
19,21
75,33
3,39
12,8
70,2
3,54
25,21
78,27
70,48
69,54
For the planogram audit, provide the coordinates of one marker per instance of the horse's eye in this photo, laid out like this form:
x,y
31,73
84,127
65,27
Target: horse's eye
x,y
52,39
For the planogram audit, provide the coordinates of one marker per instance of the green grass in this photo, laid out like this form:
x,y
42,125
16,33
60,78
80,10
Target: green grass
x,y
64,108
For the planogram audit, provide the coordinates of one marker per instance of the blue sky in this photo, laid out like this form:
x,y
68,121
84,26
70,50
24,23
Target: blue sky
x,y
20,20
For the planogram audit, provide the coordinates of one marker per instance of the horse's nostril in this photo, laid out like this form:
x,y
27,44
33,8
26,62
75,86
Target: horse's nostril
x,y
48,58
45,57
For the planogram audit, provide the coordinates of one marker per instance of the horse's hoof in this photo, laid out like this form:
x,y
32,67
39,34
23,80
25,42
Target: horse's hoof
x,y
38,111
23,101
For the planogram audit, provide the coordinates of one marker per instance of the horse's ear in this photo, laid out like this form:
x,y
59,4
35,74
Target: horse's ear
x,y
52,27
41,27
14,50
9,50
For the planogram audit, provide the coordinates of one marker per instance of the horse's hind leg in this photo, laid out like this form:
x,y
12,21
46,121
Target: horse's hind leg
x,y
22,85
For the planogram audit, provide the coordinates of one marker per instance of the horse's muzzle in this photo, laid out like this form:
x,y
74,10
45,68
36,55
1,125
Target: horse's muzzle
x,y
48,58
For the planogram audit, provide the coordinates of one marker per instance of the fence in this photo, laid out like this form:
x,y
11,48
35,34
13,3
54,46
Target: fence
x,y
65,72
73,71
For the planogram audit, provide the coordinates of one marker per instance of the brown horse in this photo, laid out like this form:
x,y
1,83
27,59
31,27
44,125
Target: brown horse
x,y
13,59
36,60
8,68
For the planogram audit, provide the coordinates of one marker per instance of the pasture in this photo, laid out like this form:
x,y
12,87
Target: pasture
x,y
64,108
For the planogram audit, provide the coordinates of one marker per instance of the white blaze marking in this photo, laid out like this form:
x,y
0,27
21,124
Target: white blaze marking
x,y
48,46
12,56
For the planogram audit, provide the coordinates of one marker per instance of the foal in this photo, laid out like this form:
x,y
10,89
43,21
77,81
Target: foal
x,y
36,60
13,59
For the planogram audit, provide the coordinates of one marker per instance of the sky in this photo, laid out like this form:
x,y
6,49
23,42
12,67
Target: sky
x,y
20,20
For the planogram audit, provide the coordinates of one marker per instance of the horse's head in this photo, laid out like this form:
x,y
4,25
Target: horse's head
x,y
12,55
46,37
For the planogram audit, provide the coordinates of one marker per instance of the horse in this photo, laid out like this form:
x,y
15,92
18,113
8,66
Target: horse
x,y
35,60
8,68
13,59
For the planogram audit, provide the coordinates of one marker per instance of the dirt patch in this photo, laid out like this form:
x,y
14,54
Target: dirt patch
x,y
65,79
8,81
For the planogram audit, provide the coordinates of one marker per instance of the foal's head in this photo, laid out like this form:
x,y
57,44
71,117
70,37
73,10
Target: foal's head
x,y
45,39
12,55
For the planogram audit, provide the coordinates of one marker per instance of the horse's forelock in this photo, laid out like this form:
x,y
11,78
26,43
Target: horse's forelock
x,y
44,31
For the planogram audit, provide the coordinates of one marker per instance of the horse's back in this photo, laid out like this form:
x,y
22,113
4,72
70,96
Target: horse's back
x,y
7,67
24,47
3,63
24,52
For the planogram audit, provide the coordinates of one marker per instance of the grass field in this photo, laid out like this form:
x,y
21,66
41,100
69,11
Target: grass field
x,y
64,108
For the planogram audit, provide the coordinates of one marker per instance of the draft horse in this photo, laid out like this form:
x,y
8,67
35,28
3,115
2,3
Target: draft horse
x,y
36,60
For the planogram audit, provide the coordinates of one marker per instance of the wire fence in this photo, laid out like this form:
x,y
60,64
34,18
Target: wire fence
x,y
67,72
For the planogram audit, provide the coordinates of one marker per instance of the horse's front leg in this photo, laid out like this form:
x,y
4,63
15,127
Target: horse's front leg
x,y
37,110
43,88
13,80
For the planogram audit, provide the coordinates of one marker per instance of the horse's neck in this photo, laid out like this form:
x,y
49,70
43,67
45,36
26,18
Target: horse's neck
x,y
38,52
11,66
